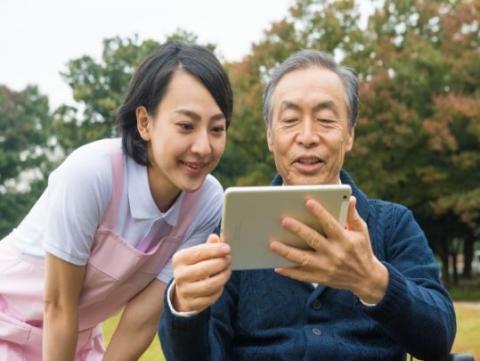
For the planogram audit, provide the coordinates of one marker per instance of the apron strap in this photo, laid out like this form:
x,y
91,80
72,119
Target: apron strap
x,y
111,213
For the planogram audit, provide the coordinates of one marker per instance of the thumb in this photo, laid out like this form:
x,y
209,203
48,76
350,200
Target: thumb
x,y
354,221
213,238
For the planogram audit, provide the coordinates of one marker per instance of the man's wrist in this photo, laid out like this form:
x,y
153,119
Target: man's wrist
x,y
372,291
170,295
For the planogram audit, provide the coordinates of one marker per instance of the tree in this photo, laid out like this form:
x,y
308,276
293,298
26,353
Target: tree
x,y
26,139
99,88
331,26
418,132
417,136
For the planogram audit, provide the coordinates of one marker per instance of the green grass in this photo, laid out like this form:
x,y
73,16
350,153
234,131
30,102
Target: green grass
x,y
468,330
461,294
153,353
467,340
466,290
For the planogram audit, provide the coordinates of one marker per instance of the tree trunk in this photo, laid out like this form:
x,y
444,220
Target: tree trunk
x,y
455,268
443,253
468,250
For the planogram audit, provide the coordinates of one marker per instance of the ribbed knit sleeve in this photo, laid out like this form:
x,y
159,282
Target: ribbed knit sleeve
x,y
416,310
201,337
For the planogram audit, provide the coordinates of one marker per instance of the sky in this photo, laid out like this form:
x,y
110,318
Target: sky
x,y
38,37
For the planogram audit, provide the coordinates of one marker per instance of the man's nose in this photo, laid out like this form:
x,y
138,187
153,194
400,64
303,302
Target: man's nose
x,y
308,136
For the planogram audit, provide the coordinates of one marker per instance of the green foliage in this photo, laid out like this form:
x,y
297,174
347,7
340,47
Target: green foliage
x,y
418,130
29,133
417,138
99,87
313,24
25,142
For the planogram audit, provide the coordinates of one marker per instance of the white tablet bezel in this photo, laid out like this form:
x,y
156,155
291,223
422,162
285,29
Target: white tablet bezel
x,y
251,218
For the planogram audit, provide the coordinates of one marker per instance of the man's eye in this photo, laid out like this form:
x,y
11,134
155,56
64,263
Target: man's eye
x,y
290,120
326,120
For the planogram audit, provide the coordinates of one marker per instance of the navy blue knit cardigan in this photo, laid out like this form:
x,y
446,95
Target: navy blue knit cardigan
x,y
266,317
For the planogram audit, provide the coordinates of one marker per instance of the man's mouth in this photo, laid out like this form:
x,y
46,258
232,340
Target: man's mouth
x,y
308,164
308,160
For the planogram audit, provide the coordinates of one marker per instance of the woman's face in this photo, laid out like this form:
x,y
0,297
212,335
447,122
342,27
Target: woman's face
x,y
185,137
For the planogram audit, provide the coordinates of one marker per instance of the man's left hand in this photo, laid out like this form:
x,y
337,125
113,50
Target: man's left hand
x,y
341,257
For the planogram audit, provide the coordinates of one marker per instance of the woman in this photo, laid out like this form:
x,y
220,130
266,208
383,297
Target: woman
x,y
102,234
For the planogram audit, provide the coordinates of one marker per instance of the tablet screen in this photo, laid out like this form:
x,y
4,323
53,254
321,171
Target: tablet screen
x,y
252,215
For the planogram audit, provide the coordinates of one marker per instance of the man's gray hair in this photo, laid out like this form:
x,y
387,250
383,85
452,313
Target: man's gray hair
x,y
305,59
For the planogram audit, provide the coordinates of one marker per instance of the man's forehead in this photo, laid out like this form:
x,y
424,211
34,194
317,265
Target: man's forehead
x,y
314,85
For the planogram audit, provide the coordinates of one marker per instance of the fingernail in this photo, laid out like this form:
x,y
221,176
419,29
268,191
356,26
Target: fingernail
x,y
225,247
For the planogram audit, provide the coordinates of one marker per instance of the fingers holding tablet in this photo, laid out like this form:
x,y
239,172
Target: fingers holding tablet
x,y
200,274
252,216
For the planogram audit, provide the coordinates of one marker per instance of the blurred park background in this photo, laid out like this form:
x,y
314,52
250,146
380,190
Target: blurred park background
x,y
417,138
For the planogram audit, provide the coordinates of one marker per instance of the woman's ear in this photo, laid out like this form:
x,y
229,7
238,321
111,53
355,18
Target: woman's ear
x,y
143,122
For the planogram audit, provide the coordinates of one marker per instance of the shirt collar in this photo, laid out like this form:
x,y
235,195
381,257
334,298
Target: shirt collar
x,y
142,205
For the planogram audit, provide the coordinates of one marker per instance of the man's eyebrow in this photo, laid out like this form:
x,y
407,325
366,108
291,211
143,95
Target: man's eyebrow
x,y
197,117
286,104
327,104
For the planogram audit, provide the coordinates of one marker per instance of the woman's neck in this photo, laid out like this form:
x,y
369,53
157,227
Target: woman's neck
x,y
164,193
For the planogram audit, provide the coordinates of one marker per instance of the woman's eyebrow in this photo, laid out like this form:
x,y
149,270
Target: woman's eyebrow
x,y
195,116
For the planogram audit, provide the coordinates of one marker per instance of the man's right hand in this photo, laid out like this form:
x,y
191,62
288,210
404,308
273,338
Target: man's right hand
x,y
200,273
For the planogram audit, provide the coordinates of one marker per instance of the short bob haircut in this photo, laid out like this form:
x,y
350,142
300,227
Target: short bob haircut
x,y
149,84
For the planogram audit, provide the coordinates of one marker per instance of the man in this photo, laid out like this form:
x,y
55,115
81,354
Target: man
x,y
367,291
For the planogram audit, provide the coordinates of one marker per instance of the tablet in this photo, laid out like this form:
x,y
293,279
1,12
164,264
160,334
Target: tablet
x,y
252,216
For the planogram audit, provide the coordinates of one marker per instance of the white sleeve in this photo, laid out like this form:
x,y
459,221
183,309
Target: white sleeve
x,y
206,221
172,309
79,191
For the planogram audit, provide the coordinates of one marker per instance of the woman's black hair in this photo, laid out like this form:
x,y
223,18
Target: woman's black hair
x,y
150,81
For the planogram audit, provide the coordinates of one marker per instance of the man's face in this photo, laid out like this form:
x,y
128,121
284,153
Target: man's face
x,y
309,132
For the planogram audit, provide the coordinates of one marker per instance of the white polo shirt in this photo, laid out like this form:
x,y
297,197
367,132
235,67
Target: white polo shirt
x,y
64,219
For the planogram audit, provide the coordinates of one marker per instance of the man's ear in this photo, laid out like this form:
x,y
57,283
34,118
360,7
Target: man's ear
x,y
269,138
350,139
143,123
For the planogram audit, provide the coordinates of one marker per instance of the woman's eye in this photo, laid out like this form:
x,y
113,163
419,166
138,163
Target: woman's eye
x,y
290,120
218,129
185,126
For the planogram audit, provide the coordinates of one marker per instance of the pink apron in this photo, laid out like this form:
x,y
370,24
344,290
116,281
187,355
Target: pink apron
x,y
115,273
